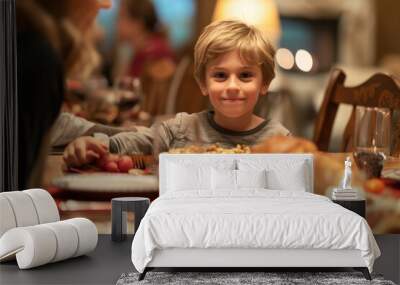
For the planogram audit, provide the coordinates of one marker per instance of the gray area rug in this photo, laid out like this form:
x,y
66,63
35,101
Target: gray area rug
x,y
229,278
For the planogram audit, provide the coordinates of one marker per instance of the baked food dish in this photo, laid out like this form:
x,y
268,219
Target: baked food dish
x,y
213,148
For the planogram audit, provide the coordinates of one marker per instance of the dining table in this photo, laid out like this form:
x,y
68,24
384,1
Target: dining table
x,y
382,201
93,200
55,169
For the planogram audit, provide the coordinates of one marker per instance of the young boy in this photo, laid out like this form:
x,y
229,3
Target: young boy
x,y
234,65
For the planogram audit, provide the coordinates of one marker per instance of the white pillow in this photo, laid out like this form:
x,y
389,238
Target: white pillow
x,y
251,178
182,177
282,174
294,180
223,179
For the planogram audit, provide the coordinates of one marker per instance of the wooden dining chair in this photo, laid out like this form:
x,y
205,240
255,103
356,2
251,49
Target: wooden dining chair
x,y
184,93
380,90
156,79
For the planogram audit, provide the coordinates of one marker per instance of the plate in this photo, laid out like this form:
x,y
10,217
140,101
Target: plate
x,y
391,173
107,182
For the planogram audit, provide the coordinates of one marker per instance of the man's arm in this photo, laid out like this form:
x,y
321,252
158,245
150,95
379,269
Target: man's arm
x,y
108,130
152,140
69,127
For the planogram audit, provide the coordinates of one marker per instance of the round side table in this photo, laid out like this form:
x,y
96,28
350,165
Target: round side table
x,y
119,208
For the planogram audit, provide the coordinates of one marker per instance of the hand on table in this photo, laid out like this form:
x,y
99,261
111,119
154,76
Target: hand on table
x,y
84,150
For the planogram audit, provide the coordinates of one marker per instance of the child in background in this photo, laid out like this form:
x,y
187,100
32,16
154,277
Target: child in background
x,y
139,25
234,65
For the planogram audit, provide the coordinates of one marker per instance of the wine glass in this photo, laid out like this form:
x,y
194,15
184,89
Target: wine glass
x,y
371,139
128,95
128,91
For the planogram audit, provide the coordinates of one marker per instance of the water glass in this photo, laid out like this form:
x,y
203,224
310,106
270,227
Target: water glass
x,y
371,139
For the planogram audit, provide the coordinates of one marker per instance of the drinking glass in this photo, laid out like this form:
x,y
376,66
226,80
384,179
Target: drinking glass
x,y
371,139
128,91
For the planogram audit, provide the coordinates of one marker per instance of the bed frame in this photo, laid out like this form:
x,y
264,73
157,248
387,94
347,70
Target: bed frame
x,y
246,258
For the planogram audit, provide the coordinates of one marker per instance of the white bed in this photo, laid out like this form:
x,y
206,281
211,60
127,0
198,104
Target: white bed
x,y
203,220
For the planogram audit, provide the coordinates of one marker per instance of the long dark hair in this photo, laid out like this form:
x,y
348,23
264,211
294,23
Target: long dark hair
x,y
51,19
145,11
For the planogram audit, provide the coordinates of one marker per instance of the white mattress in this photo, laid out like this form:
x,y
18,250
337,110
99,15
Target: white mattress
x,y
253,218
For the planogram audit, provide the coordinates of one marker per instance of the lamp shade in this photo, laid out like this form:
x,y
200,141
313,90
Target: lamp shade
x,y
261,13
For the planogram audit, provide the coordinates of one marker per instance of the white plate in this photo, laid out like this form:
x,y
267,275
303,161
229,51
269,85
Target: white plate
x,y
107,182
391,173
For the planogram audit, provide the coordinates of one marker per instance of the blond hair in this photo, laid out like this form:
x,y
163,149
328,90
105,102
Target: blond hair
x,y
224,36
51,19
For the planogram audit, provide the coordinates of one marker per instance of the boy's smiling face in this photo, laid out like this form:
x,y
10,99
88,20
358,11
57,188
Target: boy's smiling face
x,y
233,85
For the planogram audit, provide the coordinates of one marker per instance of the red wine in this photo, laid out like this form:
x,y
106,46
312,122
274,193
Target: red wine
x,y
370,162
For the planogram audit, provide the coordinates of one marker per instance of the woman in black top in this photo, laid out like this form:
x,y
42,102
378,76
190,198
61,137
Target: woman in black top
x,y
51,46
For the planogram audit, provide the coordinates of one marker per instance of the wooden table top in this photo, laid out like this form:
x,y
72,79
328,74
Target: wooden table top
x,y
383,208
329,169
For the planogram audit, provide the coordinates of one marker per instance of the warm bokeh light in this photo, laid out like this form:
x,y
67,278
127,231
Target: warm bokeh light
x,y
304,60
261,13
284,58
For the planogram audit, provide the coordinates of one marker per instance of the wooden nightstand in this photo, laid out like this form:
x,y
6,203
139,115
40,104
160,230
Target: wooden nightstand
x,y
357,206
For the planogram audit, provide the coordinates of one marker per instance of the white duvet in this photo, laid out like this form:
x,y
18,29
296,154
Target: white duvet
x,y
250,219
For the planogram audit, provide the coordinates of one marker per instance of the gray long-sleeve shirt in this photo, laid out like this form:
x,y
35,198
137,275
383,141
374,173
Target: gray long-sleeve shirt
x,y
188,129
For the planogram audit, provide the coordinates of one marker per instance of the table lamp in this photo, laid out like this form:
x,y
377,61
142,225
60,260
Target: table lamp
x,y
261,13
